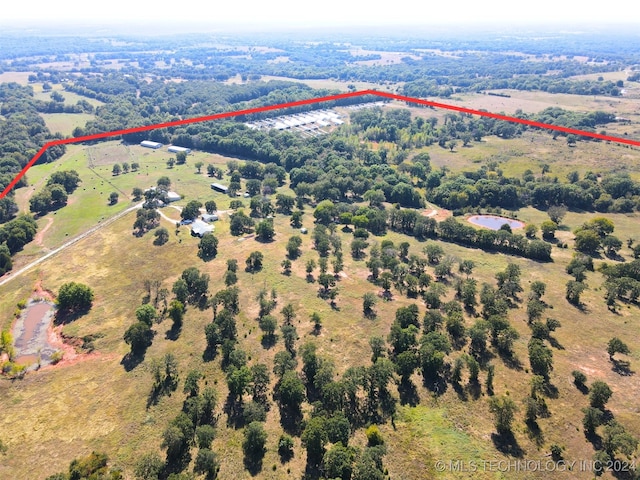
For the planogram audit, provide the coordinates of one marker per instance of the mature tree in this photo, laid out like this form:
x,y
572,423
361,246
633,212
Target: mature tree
x,y
616,345
283,362
268,325
253,445
599,394
113,198
587,241
191,210
548,228
338,461
254,262
290,392
368,303
116,170
616,439
540,358
146,313
210,206
162,236
293,247
208,246
260,383
206,462
74,297
265,230
139,337
466,267
181,158
503,409
137,193
357,247
149,467
574,290
556,213
434,252
289,336
314,438
5,259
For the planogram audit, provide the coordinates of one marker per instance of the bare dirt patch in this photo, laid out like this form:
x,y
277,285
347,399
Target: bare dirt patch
x,y
40,235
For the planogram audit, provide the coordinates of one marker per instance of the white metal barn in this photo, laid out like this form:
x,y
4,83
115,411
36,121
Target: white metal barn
x,y
150,144
176,149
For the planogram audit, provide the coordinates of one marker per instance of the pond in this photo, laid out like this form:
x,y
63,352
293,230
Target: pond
x,y
494,222
31,334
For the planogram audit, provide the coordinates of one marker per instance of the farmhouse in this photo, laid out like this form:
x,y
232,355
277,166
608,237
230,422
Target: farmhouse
x,y
200,228
150,144
218,187
176,149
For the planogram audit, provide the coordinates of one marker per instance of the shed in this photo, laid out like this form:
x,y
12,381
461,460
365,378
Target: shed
x,y
200,228
209,217
150,144
176,149
218,187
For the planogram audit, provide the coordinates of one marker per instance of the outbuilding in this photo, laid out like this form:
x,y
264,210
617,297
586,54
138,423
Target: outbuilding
x,y
176,149
218,187
209,217
150,144
200,228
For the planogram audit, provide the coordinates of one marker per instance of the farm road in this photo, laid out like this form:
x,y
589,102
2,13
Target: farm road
x,y
11,275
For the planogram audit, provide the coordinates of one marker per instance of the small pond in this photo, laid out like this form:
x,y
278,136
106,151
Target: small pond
x,y
494,222
31,334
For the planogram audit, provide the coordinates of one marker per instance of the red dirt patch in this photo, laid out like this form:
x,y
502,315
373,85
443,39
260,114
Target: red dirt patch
x,y
40,235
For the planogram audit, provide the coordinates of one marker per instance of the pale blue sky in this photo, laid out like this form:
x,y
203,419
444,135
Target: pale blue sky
x,y
301,13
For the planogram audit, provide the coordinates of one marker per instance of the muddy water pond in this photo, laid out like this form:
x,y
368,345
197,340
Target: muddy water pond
x,y
31,334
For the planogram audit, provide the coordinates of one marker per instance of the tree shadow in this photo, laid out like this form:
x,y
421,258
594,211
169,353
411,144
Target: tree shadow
x,y
555,343
63,317
312,472
174,332
460,391
506,443
582,388
594,439
233,409
550,390
474,389
291,422
268,341
510,360
622,367
534,432
209,354
437,386
131,361
252,465
408,393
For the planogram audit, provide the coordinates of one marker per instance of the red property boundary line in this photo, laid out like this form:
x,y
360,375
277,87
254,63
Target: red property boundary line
x,y
310,101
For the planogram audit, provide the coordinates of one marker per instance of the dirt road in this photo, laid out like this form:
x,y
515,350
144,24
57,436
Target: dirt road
x,y
13,274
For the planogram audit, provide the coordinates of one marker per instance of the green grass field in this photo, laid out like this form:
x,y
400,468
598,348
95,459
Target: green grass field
x,y
65,123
